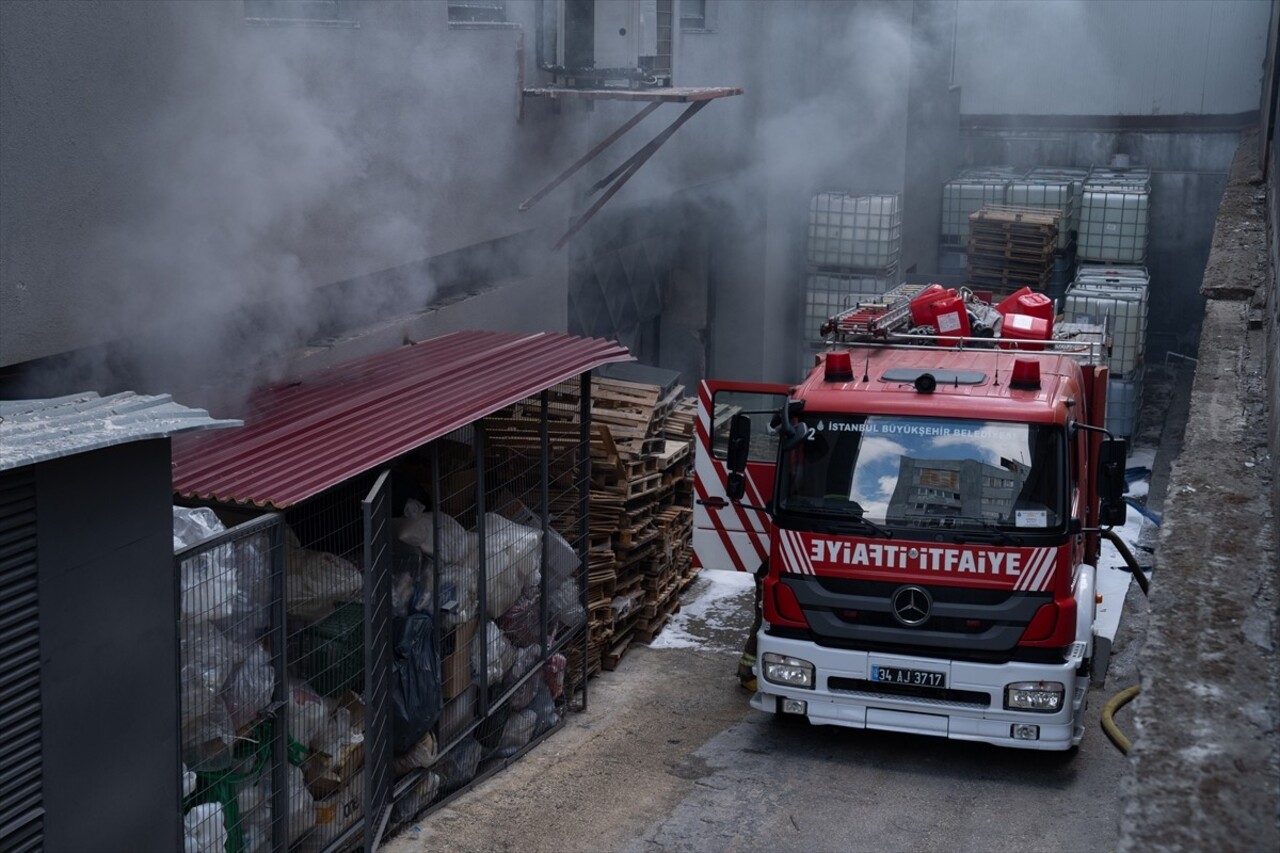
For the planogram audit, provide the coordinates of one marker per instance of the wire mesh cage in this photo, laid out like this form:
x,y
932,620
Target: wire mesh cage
x,y
238,793
378,647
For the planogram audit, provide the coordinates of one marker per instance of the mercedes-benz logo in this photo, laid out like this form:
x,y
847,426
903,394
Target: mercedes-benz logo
x,y
911,606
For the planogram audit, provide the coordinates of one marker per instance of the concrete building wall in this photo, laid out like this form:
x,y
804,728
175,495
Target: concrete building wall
x,y
187,193
167,162
1138,57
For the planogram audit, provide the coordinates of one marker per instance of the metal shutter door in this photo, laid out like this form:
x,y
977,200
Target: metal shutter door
x,y
21,800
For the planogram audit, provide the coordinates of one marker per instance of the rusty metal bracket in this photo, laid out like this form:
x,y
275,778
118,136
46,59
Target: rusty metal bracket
x,y
619,176
589,156
695,98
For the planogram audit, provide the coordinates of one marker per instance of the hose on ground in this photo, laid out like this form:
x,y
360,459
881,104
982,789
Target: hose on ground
x,y
1114,538
1115,703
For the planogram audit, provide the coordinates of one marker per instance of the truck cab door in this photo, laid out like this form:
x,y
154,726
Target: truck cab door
x,y
728,536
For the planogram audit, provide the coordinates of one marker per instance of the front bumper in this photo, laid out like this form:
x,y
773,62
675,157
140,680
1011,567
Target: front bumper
x,y
959,720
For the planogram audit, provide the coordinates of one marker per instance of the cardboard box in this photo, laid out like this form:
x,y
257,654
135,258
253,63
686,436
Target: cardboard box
x,y
455,663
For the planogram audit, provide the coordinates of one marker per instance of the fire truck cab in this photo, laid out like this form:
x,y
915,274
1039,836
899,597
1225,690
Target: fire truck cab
x,y
929,515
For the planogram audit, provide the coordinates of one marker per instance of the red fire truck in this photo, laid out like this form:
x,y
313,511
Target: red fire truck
x,y
928,502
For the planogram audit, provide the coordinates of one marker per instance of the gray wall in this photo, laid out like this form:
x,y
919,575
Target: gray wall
x,y
167,167
189,197
1137,57
109,657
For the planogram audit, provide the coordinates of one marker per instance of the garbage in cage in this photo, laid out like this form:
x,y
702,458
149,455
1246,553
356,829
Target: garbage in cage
x,y
459,712
336,751
192,525
522,621
545,709
526,659
459,765
501,654
249,689
510,560
203,830
206,661
208,587
330,652
517,733
318,582
416,700
308,714
562,561
254,803
553,674
417,527
417,798
421,754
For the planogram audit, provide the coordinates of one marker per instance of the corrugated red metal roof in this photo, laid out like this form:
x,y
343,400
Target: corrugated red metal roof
x,y
303,437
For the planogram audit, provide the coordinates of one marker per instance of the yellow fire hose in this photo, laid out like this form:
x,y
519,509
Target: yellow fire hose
x,y
1117,702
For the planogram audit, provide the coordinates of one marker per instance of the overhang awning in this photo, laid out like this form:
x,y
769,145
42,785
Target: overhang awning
x,y
305,436
33,431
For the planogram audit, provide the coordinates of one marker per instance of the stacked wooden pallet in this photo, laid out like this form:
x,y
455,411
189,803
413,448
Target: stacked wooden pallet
x,y
641,509
1011,248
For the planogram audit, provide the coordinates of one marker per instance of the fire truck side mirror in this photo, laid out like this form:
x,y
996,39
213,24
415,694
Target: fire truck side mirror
x,y
739,442
1112,455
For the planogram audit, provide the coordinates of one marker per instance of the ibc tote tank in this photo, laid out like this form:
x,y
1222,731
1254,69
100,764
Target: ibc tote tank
x,y
1115,216
855,232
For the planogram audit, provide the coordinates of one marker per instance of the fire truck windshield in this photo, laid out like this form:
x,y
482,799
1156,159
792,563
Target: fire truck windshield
x,y
927,472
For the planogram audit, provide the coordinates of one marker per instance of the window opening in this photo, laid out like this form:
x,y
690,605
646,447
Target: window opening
x,y
477,11
315,13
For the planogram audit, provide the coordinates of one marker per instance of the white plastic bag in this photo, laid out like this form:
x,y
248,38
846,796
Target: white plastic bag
x,y
564,607
205,661
318,582
208,586
203,830
254,802
511,558
250,687
502,655
250,604
308,712
417,527
194,525
462,579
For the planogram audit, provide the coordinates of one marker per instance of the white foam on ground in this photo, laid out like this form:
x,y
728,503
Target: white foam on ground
x,y
705,602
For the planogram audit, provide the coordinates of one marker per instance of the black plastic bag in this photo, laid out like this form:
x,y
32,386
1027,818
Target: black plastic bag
x,y
416,700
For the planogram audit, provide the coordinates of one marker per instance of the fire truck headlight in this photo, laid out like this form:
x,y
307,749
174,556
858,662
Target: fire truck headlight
x,y
1033,696
788,671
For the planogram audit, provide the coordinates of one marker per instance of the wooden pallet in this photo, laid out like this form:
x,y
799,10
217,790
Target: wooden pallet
x,y
648,631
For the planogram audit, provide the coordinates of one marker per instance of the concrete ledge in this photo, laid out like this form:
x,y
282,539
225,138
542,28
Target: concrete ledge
x,y
1205,764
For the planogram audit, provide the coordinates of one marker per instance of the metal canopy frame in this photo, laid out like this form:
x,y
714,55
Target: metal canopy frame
x,y
695,97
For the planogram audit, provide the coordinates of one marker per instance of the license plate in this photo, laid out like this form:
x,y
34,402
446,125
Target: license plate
x,y
914,677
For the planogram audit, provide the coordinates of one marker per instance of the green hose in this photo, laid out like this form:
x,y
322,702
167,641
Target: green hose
x,y
1115,703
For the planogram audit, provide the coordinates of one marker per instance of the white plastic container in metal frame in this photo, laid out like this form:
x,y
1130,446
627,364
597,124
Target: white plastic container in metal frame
x,y
1052,197
855,232
1115,215
1124,402
1070,174
968,192
1119,297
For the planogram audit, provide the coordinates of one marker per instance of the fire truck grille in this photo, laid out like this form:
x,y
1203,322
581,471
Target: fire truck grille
x,y
940,696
